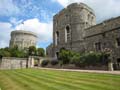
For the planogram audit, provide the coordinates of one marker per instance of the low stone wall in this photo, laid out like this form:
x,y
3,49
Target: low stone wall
x,y
72,66
15,63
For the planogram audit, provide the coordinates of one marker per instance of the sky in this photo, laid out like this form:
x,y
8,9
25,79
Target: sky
x,y
37,16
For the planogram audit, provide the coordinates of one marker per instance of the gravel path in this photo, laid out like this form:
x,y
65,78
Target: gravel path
x,y
89,71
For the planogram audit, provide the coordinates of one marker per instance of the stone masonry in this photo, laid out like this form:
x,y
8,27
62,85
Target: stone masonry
x,y
75,28
23,39
16,63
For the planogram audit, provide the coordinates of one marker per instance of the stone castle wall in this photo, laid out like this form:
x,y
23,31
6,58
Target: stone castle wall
x,y
23,39
49,51
106,33
16,63
84,35
76,17
103,27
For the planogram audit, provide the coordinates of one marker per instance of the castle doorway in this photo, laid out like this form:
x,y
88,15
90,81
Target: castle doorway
x,y
57,55
118,64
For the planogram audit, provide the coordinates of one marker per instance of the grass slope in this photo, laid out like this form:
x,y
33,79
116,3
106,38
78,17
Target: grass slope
x,y
35,79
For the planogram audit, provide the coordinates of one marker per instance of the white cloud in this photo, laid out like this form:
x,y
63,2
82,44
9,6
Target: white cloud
x,y
5,29
44,30
64,2
104,9
15,21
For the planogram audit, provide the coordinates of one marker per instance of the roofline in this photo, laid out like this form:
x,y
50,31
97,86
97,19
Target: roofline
x,y
78,4
23,31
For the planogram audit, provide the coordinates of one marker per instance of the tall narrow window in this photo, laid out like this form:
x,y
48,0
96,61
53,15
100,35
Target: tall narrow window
x,y
67,34
118,41
57,54
57,38
98,46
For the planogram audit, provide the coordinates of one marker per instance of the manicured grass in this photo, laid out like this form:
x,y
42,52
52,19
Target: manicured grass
x,y
36,79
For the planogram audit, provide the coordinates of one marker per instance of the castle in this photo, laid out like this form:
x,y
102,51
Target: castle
x,y
75,28
23,39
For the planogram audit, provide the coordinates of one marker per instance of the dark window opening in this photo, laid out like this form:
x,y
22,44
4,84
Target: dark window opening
x,y
118,41
118,64
0,56
67,28
67,35
104,35
88,16
57,38
66,15
57,54
118,60
98,46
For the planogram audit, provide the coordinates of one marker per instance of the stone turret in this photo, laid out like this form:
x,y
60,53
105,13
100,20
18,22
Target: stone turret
x,y
75,17
70,23
23,39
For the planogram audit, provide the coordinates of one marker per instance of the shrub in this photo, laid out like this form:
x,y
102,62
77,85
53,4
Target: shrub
x,y
54,62
75,58
91,59
41,52
81,60
44,63
65,56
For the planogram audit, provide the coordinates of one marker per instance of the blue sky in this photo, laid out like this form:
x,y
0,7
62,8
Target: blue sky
x,y
37,16
27,9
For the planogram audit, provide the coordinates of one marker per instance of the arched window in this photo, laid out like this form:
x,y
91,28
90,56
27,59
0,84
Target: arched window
x,y
67,34
57,38
88,17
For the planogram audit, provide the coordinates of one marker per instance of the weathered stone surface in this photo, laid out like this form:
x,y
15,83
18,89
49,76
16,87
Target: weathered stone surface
x,y
23,39
48,51
16,63
84,35
106,33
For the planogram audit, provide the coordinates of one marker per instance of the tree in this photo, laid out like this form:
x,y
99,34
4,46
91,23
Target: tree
x,y
81,60
32,50
5,53
15,52
65,56
75,59
41,52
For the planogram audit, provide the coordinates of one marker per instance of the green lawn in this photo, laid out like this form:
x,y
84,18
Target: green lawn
x,y
36,79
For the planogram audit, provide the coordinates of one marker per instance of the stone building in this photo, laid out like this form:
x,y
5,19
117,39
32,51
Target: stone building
x,y
69,27
75,28
48,51
23,39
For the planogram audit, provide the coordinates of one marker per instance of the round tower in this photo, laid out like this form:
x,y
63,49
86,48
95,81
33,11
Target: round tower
x,y
80,17
23,39
69,25
71,22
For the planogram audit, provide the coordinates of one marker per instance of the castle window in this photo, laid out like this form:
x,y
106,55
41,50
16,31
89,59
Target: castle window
x,y
57,38
67,34
88,17
56,23
98,46
86,24
104,35
92,19
118,41
57,54
66,16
